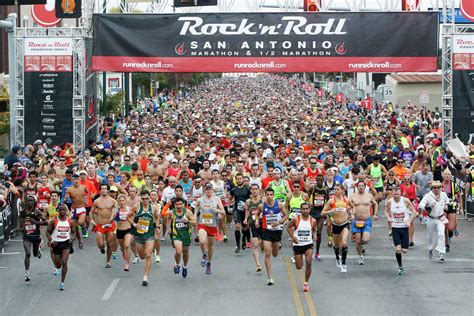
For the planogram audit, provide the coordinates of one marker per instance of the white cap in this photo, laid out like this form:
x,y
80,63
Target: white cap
x,y
198,148
219,135
174,160
289,141
180,141
212,157
297,158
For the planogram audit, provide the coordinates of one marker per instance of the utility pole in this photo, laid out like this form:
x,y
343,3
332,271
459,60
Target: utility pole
x,y
104,74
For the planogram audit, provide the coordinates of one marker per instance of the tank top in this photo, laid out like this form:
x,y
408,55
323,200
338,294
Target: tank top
x,y
280,191
318,198
256,181
271,214
295,203
253,209
311,174
331,189
178,227
391,185
399,213
29,228
344,170
303,231
197,193
207,213
291,164
122,214
31,191
52,211
410,191
218,189
340,206
376,172
145,222
43,197
95,182
62,230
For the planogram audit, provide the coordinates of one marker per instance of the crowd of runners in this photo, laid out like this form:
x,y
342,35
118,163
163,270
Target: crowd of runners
x,y
260,158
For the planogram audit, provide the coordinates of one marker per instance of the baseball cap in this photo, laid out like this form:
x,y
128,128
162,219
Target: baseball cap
x,y
198,148
113,188
436,142
208,185
212,157
180,141
174,160
16,149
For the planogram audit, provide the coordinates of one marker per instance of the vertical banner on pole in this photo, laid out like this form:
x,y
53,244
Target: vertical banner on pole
x,y
48,90
91,96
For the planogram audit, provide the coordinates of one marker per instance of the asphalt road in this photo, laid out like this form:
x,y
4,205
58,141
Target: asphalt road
x,y
234,288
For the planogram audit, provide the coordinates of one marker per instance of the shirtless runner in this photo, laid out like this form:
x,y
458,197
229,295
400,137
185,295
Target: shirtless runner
x,y
362,224
78,195
102,219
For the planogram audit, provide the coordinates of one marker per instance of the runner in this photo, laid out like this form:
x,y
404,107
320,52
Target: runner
x,y
302,229
401,213
339,210
103,222
362,224
238,196
220,191
251,209
318,196
455,205
143,218
181,220
61,233
273,214
30,220
124,231
77,194
208,207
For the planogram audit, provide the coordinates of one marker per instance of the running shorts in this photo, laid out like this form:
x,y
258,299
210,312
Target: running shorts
x,y
271,235
104,228
211,231
401,237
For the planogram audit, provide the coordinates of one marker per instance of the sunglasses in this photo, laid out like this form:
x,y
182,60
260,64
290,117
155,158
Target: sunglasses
x,y
399,161
145,199
436,187
296,187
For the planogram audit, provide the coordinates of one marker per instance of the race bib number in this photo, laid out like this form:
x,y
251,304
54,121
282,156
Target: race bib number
x,y
123,217
240,206
43,205
106,225
63,232
143,226
304,236
271,219
181,225
360,224
340,209
207,219
30,229
318,201
398,217
296,210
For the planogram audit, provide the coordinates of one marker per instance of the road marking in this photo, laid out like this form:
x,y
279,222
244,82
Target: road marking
x,y
308,297
3,267
110,290
405,258
294,289
9,253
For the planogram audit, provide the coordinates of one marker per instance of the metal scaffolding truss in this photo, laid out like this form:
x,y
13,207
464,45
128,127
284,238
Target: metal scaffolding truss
x,y
79,72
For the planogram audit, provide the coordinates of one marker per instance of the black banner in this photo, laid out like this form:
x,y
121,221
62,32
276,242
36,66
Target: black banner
x,y
91,96
463,103
48,107
272,42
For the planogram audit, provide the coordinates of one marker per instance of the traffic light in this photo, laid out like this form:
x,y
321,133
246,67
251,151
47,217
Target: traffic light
x,y
410,5
22,2
68,9
192,3
312,5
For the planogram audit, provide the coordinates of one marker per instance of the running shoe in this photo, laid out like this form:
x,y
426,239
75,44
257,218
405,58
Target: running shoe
x,y
56,271
344,268
447,248
338,263
270,281
259,268
456,233
114,255
27,277
107,265
441,258
237,250
208,268
244,246
363,249
361,260
61,286
126,268
430,254
185,272
85,233
176,269
279,246
400,271
329,241
224,238
203,261
81,246
219,237
157,259
162,238
102,250
145,281
306,287
40,253
292,258
136,260
390,233
317,257
412,244
196,239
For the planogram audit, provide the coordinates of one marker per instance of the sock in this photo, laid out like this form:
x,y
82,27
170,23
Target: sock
x,y
246,235
450,234
184,267
344,255
237,238
336,251
27,271
399,259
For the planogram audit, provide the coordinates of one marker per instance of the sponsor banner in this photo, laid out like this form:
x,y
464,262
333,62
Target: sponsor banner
x,y
273,42
463,52
463,103
48,46
91,97
262,64
48,107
